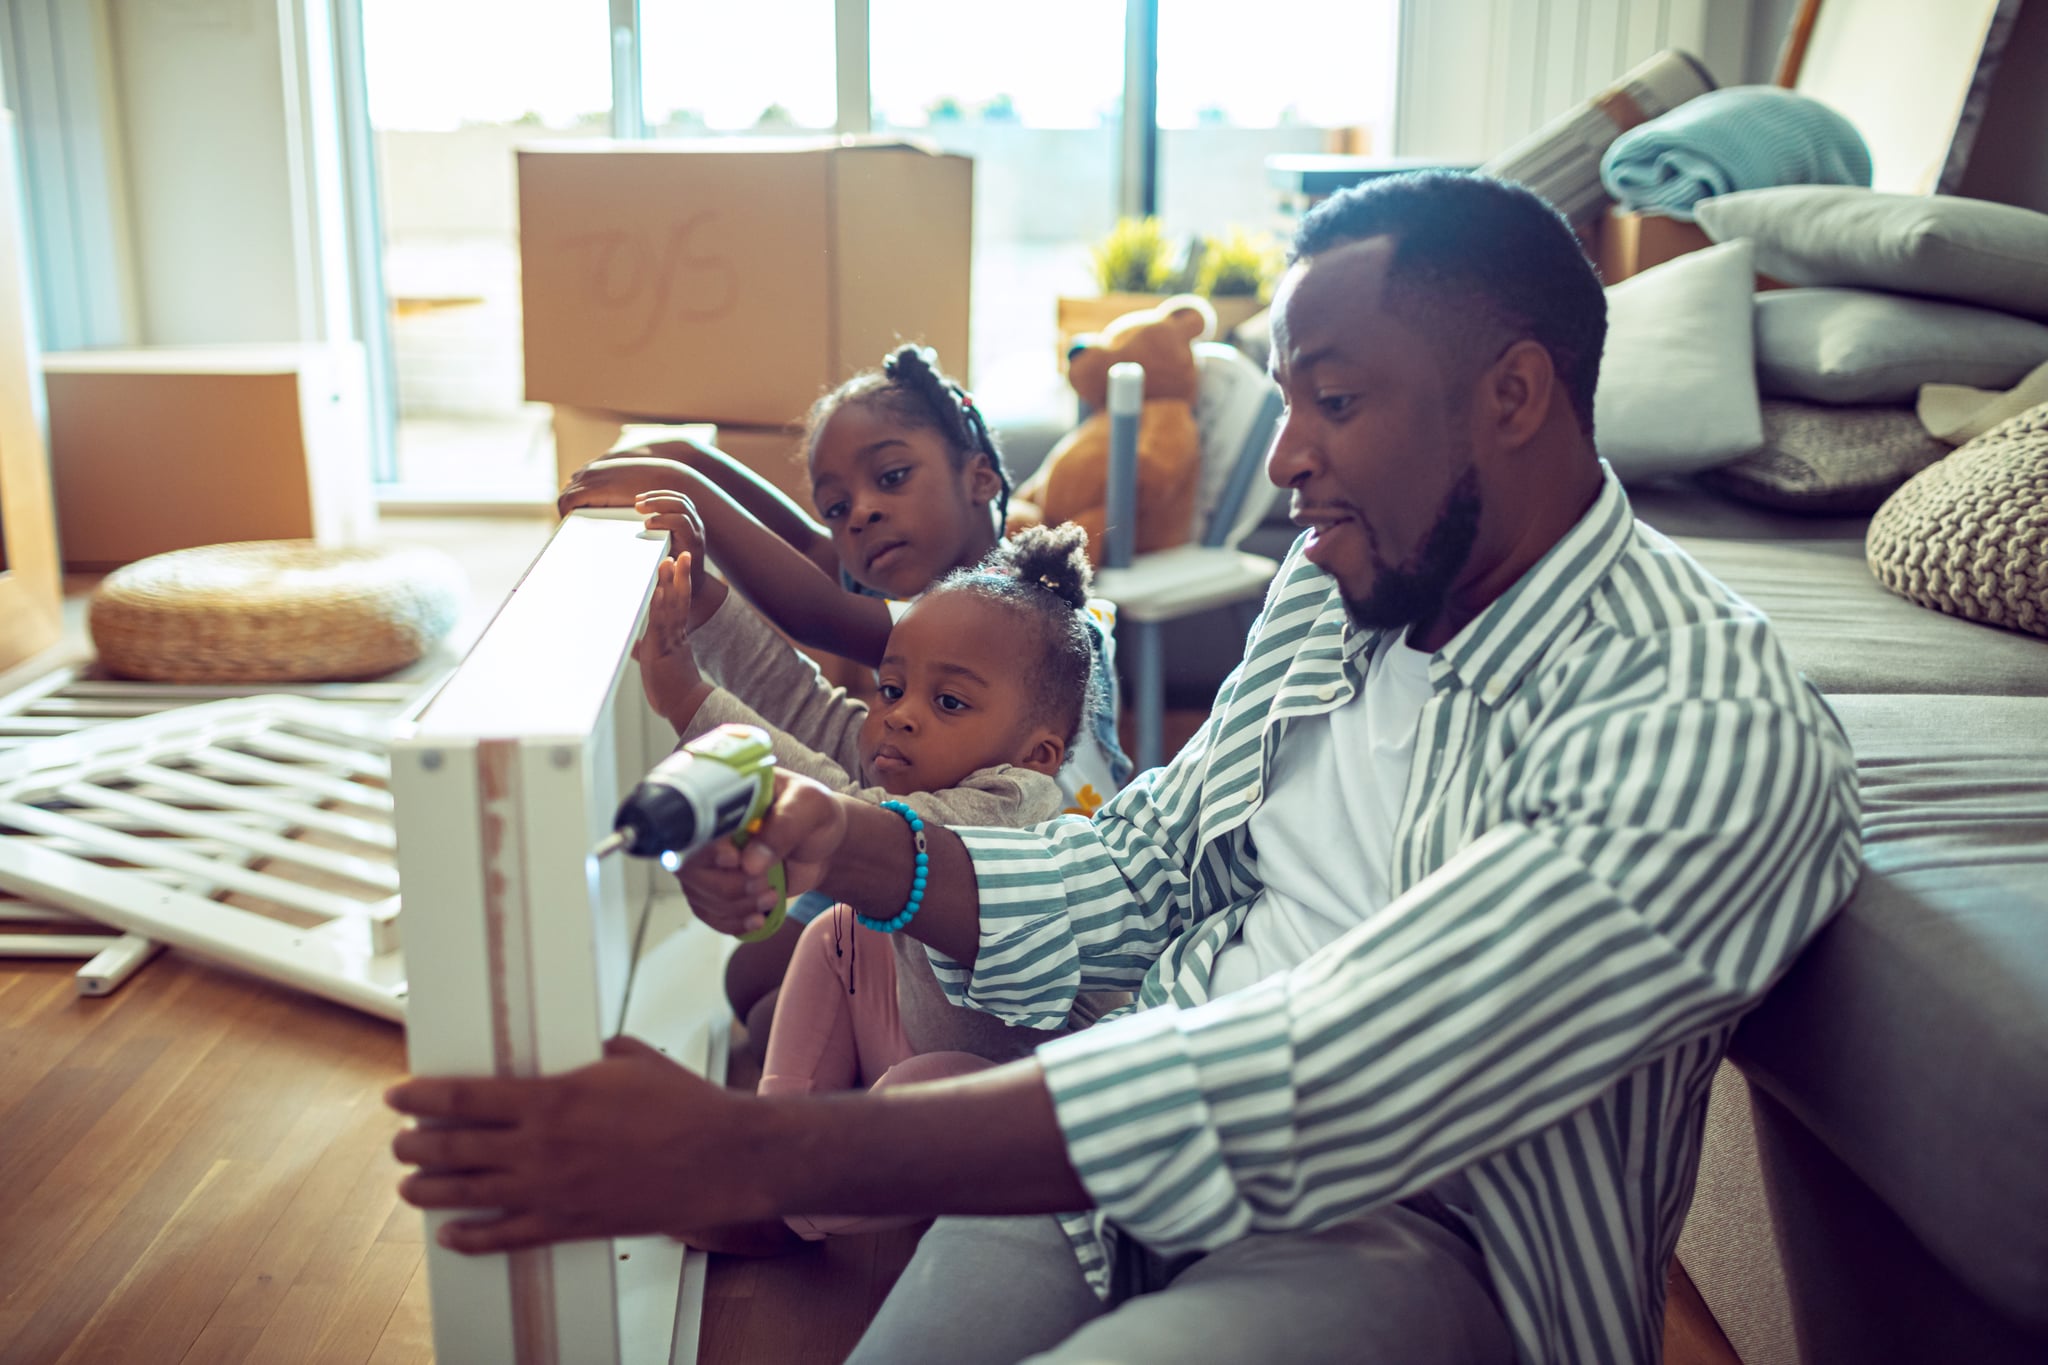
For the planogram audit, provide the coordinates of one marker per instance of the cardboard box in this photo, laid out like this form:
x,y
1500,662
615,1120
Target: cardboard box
x,y
1631,243
736,280
168,448
775,453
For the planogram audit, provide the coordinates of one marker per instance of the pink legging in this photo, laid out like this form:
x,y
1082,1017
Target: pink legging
x,y
836,1027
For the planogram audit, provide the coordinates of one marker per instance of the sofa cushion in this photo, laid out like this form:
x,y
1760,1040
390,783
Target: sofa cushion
x,y
1912,1036
1939,245
1818,459
1679,341
1686,507
1849,635
1855,346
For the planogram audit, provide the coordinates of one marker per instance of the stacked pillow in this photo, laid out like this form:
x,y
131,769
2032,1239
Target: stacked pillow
x,y
1678,375
1887,293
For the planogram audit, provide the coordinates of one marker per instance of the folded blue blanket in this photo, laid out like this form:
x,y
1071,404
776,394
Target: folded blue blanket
x,y
1747,137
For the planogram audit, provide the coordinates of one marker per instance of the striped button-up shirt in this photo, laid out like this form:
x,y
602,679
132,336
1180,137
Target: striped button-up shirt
x,y
1627,813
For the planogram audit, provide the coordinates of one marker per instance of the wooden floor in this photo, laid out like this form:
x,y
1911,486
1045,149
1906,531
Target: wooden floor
x,y
196,1169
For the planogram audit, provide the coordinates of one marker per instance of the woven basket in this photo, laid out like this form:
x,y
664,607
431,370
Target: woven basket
x,y
1969,536
274,611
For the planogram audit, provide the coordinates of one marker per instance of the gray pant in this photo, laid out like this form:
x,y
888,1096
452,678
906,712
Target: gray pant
x,y
1389,1286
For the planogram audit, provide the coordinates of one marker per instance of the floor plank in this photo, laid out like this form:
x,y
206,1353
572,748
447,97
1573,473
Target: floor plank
x,y
1691,1336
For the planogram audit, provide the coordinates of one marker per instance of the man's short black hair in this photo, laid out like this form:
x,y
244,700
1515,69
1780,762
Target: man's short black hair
x,y
1478,265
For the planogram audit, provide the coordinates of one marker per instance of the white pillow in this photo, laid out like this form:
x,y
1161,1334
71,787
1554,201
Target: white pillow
x,y
1678,377
1994,255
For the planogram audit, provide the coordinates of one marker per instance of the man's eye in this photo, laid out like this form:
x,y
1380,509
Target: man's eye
x,y
833,512
949,702
1336,404
889,692
889,478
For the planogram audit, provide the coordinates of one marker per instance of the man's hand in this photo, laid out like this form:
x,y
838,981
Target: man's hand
x,y
668,670
630,1145
728,888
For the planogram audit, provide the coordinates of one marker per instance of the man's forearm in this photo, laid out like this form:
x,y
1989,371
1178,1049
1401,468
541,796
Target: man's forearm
x,y
872,870
982,1144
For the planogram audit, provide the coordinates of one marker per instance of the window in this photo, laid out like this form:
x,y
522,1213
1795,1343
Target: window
x,y
454,86
1037,104
764,67
1037,101
1226,103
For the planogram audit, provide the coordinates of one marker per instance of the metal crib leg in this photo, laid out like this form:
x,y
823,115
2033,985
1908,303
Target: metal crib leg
x,y
1151,689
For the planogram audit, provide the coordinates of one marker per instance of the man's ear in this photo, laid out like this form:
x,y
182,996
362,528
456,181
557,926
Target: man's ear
x,y
1047,752
1521,386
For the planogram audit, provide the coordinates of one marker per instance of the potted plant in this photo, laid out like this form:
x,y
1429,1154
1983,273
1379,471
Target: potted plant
x,y
1136,266
1237,275
1133,268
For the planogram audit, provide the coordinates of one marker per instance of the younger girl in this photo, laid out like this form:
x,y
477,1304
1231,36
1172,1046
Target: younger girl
x,y
983,685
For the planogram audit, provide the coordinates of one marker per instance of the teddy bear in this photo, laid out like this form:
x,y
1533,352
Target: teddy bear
x,y
1073,483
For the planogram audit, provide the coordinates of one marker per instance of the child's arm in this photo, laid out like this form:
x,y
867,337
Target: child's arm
x,y
668,668
761,499
616,480
789,589
734,646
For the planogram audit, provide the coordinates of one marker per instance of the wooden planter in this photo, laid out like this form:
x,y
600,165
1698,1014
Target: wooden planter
x,y
1092,314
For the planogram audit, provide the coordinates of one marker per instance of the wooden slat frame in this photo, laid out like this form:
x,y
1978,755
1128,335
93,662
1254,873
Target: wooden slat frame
x,y
74,823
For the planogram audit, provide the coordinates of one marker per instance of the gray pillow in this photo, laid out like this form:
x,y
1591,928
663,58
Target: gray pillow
x,y
1938,245
1853,346
1828,461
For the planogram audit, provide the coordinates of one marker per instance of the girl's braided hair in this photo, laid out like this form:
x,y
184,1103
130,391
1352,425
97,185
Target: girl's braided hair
x,y
911,387
1043,573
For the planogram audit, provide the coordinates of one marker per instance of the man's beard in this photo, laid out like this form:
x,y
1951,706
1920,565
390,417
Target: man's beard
x,y
1412,593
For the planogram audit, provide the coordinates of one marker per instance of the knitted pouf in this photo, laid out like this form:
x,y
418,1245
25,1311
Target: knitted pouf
x,y
274,611
1969,535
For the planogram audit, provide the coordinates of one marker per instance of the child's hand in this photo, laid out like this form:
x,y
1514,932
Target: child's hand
x,y
676,515
618,481
673,512
668,670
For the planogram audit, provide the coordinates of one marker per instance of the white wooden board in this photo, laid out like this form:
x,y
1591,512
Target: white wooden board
x,y
520,948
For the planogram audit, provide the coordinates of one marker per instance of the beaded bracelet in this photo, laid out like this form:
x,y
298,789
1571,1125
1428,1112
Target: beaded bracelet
x,y
910,907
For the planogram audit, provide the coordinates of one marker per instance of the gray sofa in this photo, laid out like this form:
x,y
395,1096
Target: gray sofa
x,y
1874,1185
1874,1182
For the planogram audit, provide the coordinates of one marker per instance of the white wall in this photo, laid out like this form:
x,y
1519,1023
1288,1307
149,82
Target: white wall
x,y
227,117
1478,75
202,111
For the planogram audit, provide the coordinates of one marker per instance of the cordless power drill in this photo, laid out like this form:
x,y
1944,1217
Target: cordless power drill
x,y
716,786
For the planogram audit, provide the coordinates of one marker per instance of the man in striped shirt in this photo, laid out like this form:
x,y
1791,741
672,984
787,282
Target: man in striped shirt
x,y
1439,926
